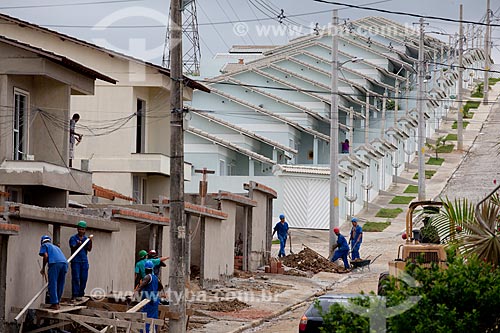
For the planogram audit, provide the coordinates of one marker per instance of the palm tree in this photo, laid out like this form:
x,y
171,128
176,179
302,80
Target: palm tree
x,y
473,229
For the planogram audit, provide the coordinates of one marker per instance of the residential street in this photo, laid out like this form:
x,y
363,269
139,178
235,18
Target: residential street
x,y
469,175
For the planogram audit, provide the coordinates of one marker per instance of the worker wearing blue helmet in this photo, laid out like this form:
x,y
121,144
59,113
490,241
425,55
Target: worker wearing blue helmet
x,y
58,267
282,229
149,289
356,238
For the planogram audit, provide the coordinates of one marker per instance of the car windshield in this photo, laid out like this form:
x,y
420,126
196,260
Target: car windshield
x,y
325,304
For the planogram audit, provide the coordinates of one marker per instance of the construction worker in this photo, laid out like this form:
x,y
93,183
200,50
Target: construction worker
x,y
341,248
282,229
149,288
57,269
140,270
80,263
355,238
152,254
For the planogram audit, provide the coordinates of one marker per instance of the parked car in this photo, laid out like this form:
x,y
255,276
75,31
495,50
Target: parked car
x,y
311,321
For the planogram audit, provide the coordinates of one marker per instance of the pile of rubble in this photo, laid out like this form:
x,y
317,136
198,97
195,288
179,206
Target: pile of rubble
x,y
308,260
227,306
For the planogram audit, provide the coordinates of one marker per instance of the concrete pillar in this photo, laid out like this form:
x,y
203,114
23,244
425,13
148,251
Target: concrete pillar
x,y
251,167
3,280
315,150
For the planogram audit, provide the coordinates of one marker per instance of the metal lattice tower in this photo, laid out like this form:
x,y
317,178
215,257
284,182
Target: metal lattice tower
x,y
190,40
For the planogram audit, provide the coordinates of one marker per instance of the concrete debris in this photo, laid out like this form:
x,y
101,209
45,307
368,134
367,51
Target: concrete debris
x,y
309,261
228,306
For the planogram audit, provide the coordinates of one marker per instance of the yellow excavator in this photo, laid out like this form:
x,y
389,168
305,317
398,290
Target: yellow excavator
x,y
417,245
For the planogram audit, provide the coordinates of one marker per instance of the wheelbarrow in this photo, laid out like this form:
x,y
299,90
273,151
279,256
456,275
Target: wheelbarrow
x,y
363,263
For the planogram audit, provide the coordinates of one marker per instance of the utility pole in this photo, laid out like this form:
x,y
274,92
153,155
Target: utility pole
x,y
486,54
460,136
421,119
178,226
334,136
351,129
382,121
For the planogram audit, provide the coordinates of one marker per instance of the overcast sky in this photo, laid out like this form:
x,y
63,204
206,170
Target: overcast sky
x,y
137,27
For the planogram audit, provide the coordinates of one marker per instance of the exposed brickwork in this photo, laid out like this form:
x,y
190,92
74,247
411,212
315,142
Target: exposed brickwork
x,y
262,188
200,209
9,227
105,193
234,197
140,215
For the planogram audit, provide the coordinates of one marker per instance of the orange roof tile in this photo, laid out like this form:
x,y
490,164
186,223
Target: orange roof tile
x,y
102,192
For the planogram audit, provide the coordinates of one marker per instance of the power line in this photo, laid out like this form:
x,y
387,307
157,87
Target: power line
x,y
71,4
438,18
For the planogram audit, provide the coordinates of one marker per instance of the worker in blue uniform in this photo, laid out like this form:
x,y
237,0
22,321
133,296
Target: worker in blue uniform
x,y
341,248
356,238
57,269
80,263
149,289
282,229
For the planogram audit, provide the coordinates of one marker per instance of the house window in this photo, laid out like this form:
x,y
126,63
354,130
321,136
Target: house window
x,y
140,139
222,167
20,128
139,189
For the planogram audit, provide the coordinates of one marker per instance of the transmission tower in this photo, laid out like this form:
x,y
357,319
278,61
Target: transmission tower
x,y
190,40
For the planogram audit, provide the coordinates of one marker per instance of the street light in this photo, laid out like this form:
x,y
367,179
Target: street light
x,y
334,134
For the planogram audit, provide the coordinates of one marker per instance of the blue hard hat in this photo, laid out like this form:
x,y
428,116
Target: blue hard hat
x,y
45,239
149,264
354,219
282,216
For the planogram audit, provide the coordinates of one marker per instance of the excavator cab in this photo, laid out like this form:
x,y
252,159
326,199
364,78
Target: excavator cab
x,y
417,245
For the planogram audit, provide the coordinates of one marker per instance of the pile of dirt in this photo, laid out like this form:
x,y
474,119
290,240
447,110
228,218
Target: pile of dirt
x,y
227,306
309,261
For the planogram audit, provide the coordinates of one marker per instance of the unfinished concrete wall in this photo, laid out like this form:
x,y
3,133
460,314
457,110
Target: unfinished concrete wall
x,y
228,233
23,266
259,230
195,228
112,259
165,252
218,258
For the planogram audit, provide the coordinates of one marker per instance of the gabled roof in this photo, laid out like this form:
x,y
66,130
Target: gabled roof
x,y
188,82
229,145
244,131
58,59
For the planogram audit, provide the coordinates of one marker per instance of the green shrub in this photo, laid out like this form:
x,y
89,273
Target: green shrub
x,y
451,137
389,213
401,200
461,298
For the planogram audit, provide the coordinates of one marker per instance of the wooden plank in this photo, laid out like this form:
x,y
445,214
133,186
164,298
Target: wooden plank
x,y
139,306
63,309
109,314
92,320
108,306
92,329
46,328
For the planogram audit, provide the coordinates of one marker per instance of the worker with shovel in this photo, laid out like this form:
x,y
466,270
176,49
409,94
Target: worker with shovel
x,y
282,229
355,238
58,267
341,248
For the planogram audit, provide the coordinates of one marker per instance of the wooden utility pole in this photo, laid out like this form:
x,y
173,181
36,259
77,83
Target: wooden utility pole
x,y
178,232
486,54
460,136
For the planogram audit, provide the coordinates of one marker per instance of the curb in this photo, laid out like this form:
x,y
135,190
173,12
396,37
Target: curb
x,y
291,307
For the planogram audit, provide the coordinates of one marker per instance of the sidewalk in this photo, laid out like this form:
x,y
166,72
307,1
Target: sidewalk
x,y
302,290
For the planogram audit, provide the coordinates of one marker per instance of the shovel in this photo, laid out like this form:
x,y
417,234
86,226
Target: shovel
x,y
291,252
